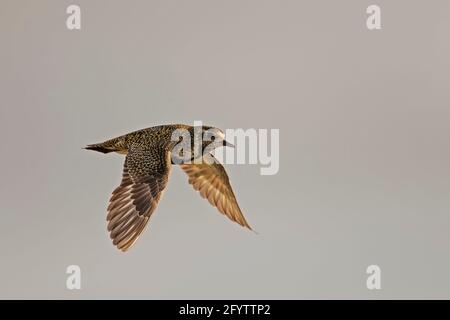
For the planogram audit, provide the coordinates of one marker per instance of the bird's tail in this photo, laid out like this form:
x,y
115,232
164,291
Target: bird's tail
x,y
98,147
113,145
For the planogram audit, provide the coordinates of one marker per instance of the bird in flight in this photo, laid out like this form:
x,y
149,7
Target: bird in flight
x,y
150,154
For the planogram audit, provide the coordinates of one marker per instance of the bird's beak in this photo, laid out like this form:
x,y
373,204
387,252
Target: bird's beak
x,y
228,144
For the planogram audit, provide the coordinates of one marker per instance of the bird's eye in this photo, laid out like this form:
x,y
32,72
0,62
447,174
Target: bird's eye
x,y
208,135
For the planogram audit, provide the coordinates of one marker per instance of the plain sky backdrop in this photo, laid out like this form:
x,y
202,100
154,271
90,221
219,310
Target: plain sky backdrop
x,y
364,147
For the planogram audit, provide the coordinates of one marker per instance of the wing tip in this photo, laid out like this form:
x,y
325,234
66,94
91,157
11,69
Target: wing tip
x,y
246,225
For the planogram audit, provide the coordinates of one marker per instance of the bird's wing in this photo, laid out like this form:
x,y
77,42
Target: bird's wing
x,y
145,175
212,181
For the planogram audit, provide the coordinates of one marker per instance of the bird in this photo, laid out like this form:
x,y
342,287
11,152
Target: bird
x,y
149,156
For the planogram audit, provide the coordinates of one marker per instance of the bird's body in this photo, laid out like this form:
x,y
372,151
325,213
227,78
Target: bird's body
x,y
146,171
145,139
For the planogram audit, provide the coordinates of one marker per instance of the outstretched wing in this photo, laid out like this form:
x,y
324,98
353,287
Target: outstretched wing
x,y
145,175
212,181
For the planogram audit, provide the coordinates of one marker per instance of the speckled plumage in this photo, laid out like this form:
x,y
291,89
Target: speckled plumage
x,y
145,175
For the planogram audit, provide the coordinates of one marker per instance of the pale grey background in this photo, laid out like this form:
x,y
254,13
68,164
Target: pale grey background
x,y
364,124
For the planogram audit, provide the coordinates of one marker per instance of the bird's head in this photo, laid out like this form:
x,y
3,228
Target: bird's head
x,y
200,140
214,138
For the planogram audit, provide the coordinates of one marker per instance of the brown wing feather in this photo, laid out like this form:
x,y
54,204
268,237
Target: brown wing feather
x,y
212,181
132,203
